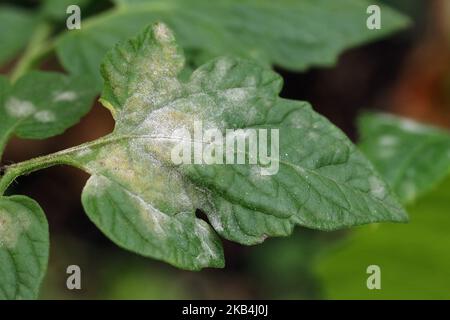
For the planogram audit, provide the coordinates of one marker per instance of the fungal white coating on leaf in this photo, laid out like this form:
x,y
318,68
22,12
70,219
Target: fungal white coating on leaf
x,y
297,121
377,188
222,67
236,95
152,218
45,116
84,152
65,96
313,136
250,81
19,108
12,227
163,33
215,219
412,126
205,236
149,189
136,169
99,185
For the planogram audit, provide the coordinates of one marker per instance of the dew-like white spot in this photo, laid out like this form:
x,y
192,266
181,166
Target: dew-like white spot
x,y
12,227
163,33
297,121
377,188
45,116
250,81
84,152
65,96
222,66
411,126
388,141
206,241
19,108
235,95
312,135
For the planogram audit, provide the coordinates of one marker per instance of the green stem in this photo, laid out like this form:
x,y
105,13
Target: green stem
x,y
37,48
65,157
72,157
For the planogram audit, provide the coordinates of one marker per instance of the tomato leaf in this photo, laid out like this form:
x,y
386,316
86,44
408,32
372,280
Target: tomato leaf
x,y
42,105
144,202
24,247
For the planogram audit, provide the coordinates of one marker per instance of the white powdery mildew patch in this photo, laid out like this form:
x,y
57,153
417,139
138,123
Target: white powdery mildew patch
x,y
250,81
221,68
65,96
216,221
297,121
45,116
12,227
204,235
154,219
411,126
163,33
388,141
19,108
236,95
99,185
377,188
313,136
154,95
84,152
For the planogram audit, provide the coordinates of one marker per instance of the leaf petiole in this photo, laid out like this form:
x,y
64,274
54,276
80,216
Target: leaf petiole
x,y
64,157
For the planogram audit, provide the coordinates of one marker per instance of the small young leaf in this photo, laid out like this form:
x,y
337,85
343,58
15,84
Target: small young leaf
x,y
15,26
412,157
146,204
289,33
24,247
41,105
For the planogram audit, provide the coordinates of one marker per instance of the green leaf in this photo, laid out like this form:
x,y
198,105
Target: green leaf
x,y
41,105
139,198
24,247
15,26
412,157
413,258
289,33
